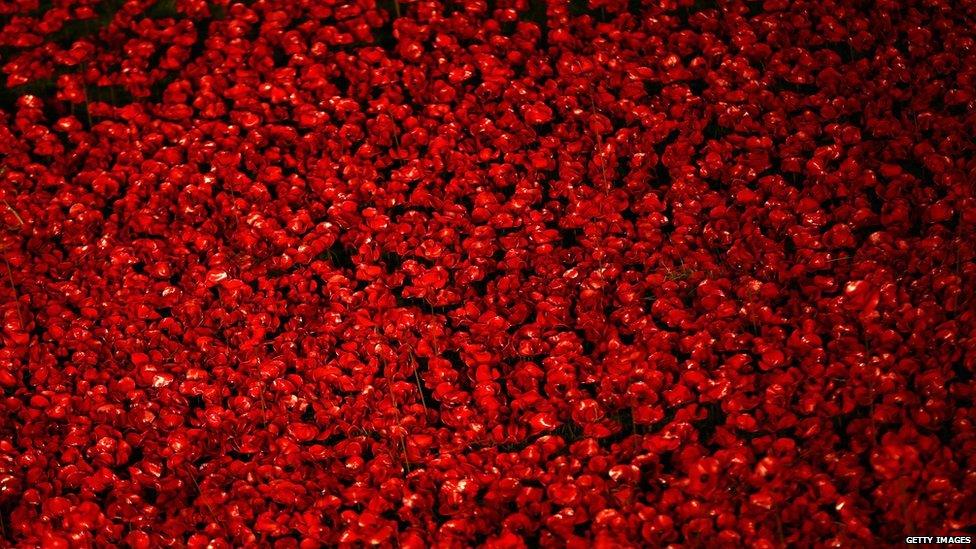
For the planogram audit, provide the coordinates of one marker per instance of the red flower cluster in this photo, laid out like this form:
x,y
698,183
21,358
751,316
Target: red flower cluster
x,y
511,273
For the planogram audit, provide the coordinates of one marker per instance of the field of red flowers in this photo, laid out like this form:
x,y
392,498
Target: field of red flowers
x,y
503,273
